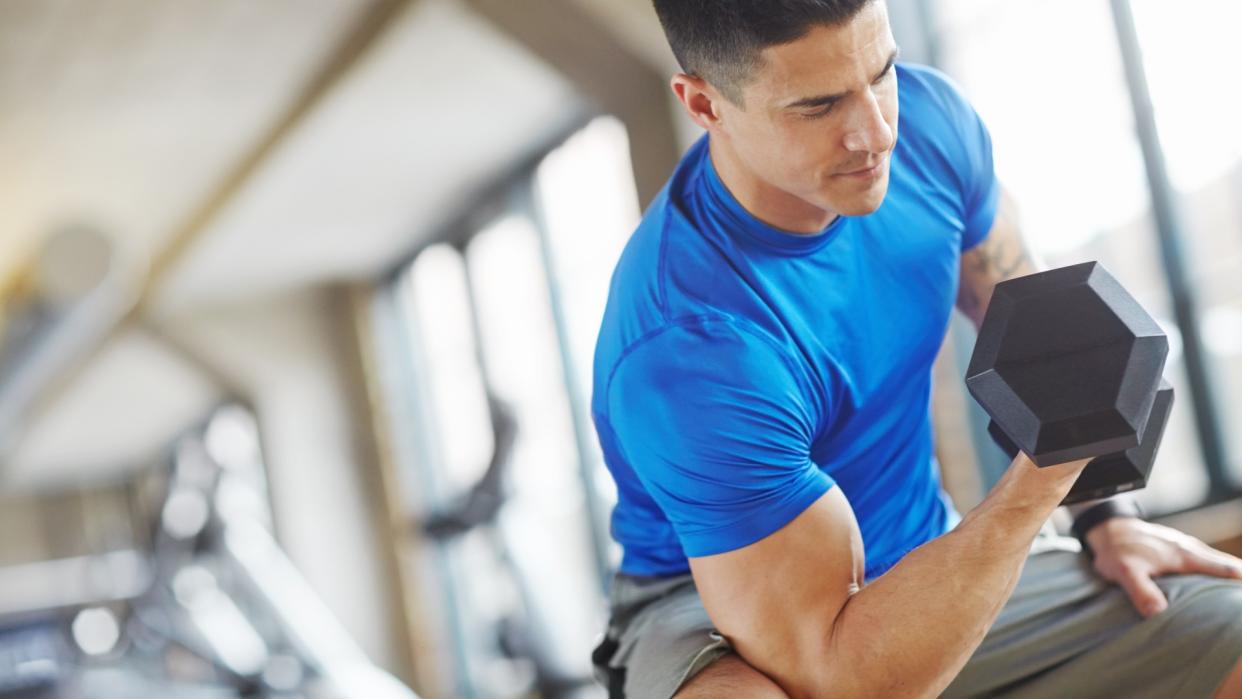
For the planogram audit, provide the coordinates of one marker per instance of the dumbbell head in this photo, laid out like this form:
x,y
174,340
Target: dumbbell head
x,y
1110,474
1067,363
1129,470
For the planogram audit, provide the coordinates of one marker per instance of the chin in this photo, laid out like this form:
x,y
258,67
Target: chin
x,y
858,205
861,208
861,203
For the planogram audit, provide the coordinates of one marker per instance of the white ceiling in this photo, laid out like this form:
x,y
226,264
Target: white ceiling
x,y
635,23
125,112
440,104
128,113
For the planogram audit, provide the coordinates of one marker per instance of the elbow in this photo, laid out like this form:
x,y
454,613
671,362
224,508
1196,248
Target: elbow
x,y
821,668
837,666
829,684
851,683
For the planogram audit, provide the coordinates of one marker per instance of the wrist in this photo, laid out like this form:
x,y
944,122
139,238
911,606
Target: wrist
x,y
1024,484
1091,518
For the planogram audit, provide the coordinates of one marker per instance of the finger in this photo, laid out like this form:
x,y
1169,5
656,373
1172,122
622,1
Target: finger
x,y
1146,596
1215,563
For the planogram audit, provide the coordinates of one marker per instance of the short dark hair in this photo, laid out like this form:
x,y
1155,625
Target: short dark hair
x,y
720,40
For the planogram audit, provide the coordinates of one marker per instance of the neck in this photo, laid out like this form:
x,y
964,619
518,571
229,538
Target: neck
x,y
773,206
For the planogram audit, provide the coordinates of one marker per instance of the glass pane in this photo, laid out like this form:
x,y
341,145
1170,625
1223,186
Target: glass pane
x,y
1060,119
1188,49
546,525
586,193
1191,59
523,359
458,405
475,595
1064,145
586,190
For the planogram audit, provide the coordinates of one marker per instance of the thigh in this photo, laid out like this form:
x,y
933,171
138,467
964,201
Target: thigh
x,y
1066,632
659,638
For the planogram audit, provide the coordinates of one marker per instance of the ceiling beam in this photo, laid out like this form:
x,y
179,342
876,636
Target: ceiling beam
x,y
354,43
603,68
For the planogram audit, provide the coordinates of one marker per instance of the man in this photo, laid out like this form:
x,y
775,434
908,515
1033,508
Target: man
x,y
761,394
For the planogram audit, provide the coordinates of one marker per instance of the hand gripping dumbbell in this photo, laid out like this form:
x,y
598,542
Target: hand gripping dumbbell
x,y
1068,366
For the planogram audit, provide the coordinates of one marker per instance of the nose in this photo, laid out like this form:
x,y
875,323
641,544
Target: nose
x,y
866,131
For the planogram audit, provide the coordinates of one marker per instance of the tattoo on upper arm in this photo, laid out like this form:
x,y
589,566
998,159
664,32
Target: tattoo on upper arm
x,y
969,302
1000,256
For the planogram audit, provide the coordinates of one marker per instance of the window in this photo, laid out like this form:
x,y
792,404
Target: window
x,y
1065,145
507,308
1190,61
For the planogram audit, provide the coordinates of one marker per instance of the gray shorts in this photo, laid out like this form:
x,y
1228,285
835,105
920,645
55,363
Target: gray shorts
x,y
1063,633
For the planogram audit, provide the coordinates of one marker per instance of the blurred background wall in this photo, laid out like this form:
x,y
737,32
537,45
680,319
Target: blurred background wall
x,y
328,273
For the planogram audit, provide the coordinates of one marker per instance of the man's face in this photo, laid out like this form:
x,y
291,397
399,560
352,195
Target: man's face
x,y
819,120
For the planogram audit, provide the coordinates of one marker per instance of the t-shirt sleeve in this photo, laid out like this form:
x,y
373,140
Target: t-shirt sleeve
x,y
717,425
973,162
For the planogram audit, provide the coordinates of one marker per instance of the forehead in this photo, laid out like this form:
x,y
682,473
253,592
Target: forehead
x,y
827,60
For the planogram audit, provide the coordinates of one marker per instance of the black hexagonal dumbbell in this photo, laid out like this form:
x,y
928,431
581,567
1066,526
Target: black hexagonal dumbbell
x,y
1112,473
1068,366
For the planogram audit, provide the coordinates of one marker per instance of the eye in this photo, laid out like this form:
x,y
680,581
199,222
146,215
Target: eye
x,y
819,113
884,76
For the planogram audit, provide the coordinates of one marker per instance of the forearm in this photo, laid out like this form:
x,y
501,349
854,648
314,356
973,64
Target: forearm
x,y
909,633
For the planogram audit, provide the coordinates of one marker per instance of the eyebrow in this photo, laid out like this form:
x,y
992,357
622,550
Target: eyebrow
x,y
825,100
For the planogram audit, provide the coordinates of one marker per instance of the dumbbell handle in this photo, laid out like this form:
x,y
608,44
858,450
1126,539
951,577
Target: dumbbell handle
x,y
1111,473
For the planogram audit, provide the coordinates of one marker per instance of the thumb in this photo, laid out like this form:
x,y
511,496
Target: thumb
x,y
1147,597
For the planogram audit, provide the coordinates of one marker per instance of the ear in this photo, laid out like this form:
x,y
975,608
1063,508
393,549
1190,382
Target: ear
x,y
700,100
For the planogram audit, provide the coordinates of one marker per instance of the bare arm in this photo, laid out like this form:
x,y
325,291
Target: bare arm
x,y
1002,255
794,606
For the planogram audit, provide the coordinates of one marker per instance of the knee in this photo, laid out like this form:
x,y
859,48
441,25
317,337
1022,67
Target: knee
x,y
1214,606
1229,606
730,676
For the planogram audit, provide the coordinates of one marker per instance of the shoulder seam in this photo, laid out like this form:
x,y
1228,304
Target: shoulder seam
x,y
702,318
647,337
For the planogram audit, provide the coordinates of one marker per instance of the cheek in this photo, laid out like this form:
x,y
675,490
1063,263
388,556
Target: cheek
x,y
794,151
816,157
814,144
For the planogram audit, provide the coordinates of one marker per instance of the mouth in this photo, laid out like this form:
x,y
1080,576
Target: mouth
x,y
867,173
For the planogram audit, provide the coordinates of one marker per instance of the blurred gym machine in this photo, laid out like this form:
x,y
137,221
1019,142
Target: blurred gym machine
x,y
175,586
203,603
523,635
79,286
499,623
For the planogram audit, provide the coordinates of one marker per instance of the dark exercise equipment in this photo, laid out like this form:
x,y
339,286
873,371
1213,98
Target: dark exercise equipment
x,y
525,634
1068,365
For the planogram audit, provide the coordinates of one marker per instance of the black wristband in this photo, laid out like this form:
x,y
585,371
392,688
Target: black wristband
x,y
1113,507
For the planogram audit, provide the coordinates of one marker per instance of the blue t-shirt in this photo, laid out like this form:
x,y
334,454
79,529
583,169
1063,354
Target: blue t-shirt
x,y
742,371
